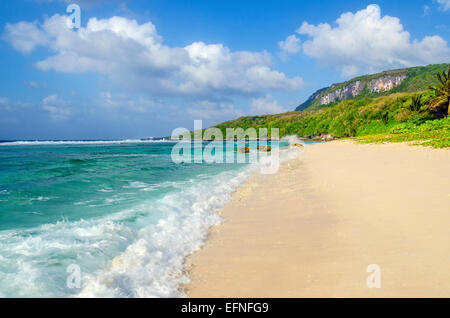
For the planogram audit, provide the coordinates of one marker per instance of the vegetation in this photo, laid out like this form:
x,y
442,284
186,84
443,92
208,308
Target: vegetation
x,y
440,104
417,79
398,117
416,103
435,133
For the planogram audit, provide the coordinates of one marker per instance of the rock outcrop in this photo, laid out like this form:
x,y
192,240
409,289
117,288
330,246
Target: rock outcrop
x,y
385,83
321,137
243,150
264,148
348,91
353,89
363,86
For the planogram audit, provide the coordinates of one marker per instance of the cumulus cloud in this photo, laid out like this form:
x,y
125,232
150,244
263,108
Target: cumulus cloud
x,y
265,105
34,84
290,46
123,102
214,110
11,106
24,36
57,107
134,55
444,4
365,41
4,104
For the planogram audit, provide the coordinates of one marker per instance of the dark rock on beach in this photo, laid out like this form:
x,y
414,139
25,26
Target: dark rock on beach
x,y
321,137
264,148
243,150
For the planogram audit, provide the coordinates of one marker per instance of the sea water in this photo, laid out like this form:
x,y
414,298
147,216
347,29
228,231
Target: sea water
x,y
123,213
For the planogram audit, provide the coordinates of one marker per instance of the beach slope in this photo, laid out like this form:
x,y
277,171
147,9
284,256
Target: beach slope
x,y
313,229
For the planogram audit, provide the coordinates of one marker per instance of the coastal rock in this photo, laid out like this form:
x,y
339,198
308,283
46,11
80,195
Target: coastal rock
x,y
297,146
264,148
243,150
321,137
327,137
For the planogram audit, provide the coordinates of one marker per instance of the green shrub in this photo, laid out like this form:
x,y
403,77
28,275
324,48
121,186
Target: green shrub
x,y
385,117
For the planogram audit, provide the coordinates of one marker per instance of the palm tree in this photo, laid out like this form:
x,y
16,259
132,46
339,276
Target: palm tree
x,y
440,104
416,103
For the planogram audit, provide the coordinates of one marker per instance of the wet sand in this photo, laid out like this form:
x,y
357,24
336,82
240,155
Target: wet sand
x,y
312,229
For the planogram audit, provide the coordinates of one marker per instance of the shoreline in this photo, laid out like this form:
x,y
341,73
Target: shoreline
x,y
312,229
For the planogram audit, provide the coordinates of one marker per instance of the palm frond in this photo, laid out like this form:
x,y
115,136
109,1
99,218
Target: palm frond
x,y
441,78
441,103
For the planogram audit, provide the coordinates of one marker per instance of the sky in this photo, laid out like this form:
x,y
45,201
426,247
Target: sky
x,y
135,69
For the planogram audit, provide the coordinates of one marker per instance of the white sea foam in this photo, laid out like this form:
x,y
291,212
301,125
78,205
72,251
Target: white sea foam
x,y
105,190
136,185
77,142
138,252
153,265
114,200
40,198
83,202
293,140
35,260
34,212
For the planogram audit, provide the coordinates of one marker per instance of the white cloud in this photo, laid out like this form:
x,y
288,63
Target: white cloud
x,y
272,79
12,106
57,107
290,46
134,55
214,110
444,4
265,105
367,42
24,36
5,104
138,104
34,84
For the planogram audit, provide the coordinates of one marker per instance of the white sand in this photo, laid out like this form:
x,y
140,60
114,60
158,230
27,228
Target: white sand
x,y
313,228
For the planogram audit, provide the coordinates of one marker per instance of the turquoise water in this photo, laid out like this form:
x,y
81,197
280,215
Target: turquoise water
x,y
122,212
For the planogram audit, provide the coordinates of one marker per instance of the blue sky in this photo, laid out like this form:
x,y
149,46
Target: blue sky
x,y
142,68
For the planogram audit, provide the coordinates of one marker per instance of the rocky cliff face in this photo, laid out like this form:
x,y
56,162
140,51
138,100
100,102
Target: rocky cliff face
x,y
347,92
310,100
385,83
351,89
413,79
378,85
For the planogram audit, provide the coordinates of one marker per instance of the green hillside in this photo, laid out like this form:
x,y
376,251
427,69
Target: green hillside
x,y
395,117
417,79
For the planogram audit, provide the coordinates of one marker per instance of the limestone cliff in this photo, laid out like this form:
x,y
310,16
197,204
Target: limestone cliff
x,y
402,80
348,91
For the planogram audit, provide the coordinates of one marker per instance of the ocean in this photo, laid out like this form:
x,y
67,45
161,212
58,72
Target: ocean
x,y
105,218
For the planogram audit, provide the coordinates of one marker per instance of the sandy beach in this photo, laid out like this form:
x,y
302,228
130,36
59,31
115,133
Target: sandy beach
x,y
312,229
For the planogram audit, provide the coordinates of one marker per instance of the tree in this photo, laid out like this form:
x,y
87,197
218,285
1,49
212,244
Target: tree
x,y
416,103
440,104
